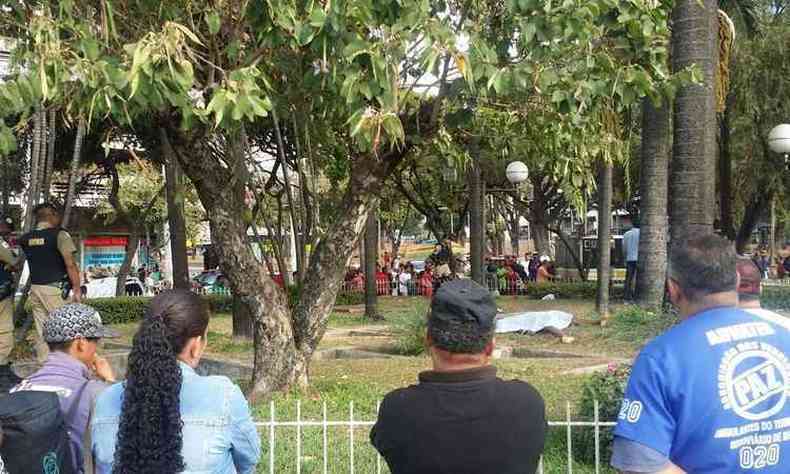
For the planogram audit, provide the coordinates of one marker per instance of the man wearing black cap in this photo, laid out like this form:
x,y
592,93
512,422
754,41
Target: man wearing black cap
x,y
53,269
461,418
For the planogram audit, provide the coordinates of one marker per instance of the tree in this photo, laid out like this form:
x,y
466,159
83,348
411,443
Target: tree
x,y
763,66
175,217
371,262
653,235
692,183
604,239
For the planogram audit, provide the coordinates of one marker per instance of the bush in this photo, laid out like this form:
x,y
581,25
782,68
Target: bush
x,y
571,290
634,323
122,310
608,388
776,297
128,309
410,334
350,298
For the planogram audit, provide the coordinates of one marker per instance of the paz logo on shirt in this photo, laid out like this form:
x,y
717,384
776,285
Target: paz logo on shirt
x,y
754,380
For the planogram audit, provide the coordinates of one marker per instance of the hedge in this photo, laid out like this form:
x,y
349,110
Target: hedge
x,y
128,309
776,297
571,290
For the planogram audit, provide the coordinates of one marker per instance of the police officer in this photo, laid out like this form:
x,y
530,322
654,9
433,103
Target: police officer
x,y
53,270
8,262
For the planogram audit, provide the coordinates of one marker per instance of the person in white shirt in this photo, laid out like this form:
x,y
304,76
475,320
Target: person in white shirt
x,y
631,250
404,279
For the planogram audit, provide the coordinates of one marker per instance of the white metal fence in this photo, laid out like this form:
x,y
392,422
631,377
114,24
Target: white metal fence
x,y
329,446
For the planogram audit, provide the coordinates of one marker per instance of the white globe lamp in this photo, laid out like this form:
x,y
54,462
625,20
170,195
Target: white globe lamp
x,y
517,172
779,141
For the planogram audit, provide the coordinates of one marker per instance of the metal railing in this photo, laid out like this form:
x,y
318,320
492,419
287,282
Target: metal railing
x,y
329,446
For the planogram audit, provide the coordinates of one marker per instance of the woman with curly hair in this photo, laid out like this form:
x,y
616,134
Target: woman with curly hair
x,y
165,418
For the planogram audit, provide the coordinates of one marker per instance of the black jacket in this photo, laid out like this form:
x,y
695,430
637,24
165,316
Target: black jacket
x,y
459,423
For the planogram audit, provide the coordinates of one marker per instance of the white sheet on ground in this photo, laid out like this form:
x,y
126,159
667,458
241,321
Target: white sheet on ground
x,y
533,321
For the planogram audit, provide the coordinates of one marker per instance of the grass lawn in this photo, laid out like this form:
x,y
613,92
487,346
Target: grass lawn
x,y
337,383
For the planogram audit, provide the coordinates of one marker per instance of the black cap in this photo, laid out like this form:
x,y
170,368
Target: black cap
x,y
464,301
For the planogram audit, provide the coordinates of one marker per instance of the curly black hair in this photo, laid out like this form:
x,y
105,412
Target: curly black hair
x,y
149,436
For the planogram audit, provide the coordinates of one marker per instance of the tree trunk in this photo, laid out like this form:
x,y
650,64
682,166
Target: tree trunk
x,y
476,217
758,204
573,251
515,234
285,339
75,167
35,163
50,163
371,258
540,237
652,262
131,250
725,169
176,221
692,183
604,237
292,211
243,324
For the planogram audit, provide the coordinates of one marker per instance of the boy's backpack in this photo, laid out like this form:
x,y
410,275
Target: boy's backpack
x,y
35,435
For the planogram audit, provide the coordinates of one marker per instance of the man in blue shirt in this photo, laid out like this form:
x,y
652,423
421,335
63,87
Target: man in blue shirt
x,y
631,251
711,394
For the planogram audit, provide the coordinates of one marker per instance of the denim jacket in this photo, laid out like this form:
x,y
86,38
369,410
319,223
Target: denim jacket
x,y
219,434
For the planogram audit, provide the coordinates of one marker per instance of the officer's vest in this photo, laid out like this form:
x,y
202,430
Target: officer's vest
x,y
46,262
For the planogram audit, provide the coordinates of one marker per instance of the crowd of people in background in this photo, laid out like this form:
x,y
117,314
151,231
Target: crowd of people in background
x,y
506,275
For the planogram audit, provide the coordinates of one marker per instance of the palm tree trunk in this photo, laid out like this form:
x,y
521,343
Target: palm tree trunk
x,y
75,167
652,263
604,238
692,183
371,257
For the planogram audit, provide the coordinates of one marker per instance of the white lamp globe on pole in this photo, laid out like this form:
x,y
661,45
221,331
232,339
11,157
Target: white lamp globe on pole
x,y
779,140
517,172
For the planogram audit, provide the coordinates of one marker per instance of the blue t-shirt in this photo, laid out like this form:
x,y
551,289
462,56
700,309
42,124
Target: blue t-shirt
x,y
712,394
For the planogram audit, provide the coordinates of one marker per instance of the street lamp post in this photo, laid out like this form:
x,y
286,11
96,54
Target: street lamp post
x,y
779,141
516,173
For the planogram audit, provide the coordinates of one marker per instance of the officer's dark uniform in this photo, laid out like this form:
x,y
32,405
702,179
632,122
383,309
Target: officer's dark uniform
x,y
44,249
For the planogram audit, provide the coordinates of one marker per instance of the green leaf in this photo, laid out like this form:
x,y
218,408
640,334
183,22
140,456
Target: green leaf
x,y
213,21
317,17
393,127
187,32
529,33
91,48
355,48
547,79
356,121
